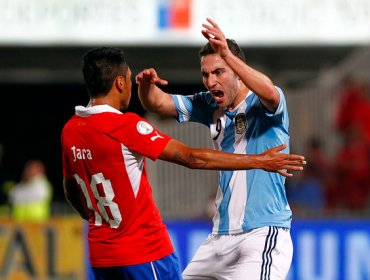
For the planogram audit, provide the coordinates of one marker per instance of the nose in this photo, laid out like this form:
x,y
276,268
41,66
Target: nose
x,y
210,81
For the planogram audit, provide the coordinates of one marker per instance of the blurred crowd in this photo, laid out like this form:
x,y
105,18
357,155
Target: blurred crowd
x,y
339,183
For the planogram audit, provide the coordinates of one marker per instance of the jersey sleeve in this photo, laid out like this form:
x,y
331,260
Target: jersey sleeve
x,y
194,108
139,135
281,110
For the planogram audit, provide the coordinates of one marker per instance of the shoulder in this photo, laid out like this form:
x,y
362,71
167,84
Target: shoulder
x,y
203,96
131,116
137,123
126,118
70,123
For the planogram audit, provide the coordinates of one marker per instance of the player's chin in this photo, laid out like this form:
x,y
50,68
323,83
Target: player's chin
x,y
221,103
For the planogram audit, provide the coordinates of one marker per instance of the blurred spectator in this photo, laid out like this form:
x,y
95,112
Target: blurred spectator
x,y
354,108
30,198
352,167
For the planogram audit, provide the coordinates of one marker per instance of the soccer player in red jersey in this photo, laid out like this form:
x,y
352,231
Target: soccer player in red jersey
x,y
105,178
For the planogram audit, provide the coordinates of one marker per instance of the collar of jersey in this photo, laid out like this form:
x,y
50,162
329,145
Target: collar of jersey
x,y
87,111
232,113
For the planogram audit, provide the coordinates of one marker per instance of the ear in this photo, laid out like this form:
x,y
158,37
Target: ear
x,y
120,84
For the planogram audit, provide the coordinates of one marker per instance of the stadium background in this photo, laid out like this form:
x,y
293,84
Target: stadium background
x,y
306,47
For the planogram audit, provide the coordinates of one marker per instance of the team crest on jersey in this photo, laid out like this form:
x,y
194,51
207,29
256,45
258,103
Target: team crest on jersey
x,y
144,127
240,123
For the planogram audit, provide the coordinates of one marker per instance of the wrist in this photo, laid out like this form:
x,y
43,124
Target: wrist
x,y
225,54
255,161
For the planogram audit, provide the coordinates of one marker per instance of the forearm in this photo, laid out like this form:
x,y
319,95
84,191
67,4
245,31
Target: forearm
x,y
156,100
216,160
149,96
194,158
272,160
256,81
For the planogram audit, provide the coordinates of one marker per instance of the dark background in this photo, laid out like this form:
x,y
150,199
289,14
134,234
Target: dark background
x,y
32,118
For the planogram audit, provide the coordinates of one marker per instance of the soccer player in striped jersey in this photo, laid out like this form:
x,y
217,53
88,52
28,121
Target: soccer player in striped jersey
x,y
105,176
246,114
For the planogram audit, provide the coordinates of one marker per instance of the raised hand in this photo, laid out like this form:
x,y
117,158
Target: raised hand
x,y
149,76
216,37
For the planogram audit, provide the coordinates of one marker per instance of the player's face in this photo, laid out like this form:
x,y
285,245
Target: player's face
x,y
220,80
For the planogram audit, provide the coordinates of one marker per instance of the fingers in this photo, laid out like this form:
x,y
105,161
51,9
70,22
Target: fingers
x,y
284,173
213,27
295,157
279,148
209,35
212,34
162,82
145,74
205,34
293,167
213,30
289,156
212,22
209,27
295,160
149,75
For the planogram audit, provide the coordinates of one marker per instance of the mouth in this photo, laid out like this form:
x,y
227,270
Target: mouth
x,y
217,94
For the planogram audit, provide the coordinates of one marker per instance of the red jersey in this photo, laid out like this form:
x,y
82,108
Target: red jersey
x,y
104,151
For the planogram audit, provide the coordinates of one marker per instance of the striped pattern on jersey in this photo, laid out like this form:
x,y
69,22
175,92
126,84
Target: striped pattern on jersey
x,y
245,199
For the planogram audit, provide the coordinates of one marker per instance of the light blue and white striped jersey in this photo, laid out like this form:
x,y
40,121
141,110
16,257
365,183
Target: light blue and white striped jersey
x,y
245,199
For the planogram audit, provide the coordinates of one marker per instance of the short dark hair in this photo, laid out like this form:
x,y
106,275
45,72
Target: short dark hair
x,y
233,46
100,68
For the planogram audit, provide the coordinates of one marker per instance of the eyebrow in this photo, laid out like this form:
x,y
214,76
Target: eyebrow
x,y
213,71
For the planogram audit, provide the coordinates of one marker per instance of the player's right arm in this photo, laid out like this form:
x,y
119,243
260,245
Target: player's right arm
x,y
153,98
75,197
271,160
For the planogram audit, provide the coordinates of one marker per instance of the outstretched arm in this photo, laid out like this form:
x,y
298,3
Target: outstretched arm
x,y
271,160
253,79
152,97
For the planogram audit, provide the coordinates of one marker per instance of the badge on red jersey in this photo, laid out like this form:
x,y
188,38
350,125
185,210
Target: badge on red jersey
x,y
144,127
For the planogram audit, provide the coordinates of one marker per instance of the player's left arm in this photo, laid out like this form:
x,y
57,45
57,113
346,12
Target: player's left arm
x,y
75,197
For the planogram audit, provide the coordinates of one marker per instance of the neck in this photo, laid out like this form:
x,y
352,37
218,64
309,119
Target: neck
x,y
238,99
106,100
